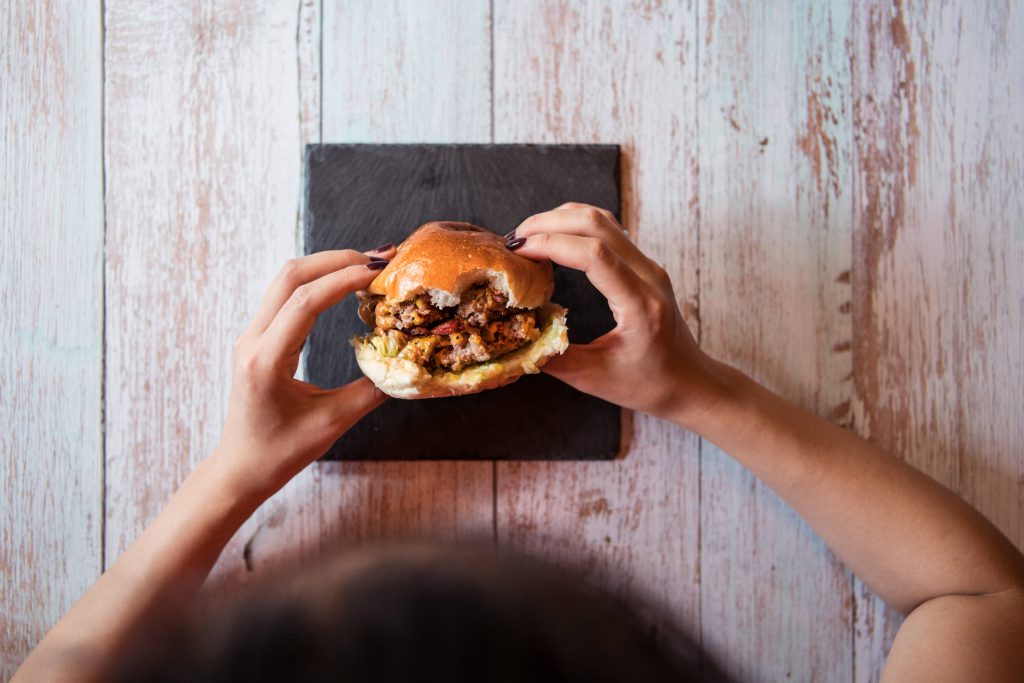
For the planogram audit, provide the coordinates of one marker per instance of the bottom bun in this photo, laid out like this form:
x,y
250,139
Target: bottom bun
x,y
402,378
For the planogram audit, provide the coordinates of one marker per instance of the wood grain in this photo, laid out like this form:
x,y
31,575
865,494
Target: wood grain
x,y
760,148
286,529
775,296
406,71
51,321
203,152
614,73
381,66
940,295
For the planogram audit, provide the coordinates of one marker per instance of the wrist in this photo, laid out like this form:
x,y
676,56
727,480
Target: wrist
x,y
720,395
244,485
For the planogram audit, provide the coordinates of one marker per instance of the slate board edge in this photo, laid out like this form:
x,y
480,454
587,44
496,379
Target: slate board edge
x,y
622,425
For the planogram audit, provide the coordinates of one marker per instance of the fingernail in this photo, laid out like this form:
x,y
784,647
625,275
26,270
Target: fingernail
x,y
516,243
378,264
384,247
510,235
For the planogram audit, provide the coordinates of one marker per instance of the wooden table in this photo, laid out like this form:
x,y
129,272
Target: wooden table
x,y
837,194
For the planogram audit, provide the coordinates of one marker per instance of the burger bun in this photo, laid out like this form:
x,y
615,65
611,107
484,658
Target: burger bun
x,y
445,258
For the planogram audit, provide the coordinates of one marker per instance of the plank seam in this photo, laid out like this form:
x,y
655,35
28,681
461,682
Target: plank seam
x,y
320,76
494,463
490,24
103,289
299,102
300,204
856,421
853,628
853,385
700,441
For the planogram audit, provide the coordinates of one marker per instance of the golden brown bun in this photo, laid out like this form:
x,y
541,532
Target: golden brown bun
x,y
445,258
402,378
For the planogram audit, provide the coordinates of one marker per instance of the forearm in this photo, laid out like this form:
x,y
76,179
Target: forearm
x,y
907,537
160,572
276,425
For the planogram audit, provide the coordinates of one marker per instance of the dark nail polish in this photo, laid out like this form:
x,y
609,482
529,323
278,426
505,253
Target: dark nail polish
x,y
384,247
379,264
516,243
510,235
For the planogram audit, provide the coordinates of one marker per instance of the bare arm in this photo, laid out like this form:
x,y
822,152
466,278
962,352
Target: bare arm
x,y
907,537
165,566
276,425
915,543
912,541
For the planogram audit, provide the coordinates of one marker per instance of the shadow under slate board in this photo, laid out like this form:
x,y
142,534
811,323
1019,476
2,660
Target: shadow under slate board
x,y
361,196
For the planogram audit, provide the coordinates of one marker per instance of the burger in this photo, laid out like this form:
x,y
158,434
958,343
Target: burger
x,y
457,312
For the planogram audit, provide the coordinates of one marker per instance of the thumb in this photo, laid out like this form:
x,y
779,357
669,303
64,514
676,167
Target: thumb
x,y
581,366
352,402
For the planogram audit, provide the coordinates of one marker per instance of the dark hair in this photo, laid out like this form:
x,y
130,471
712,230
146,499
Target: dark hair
x,y
416,613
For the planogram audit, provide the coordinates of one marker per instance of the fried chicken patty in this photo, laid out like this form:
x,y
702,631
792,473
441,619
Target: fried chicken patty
x,y
480,328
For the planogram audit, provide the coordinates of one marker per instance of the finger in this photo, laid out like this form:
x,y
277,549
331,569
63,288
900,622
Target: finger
x,y
564,214
577,205
352,402
572,364
604,267
292,324
589,221
384,250
582,366
334,413
300,271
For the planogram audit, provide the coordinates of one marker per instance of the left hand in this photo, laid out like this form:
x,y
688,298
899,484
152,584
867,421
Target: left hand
x,y
276,424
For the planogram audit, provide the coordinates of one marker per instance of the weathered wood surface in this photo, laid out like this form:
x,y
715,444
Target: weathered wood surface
x,y
835,192
203,149
608,72
380,84
774,298
938,287
406,71
51,319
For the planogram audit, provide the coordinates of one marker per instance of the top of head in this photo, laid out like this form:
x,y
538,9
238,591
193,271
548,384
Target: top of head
x,y
445,258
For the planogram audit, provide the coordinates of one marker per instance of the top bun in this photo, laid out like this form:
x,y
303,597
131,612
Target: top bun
x,y
446,258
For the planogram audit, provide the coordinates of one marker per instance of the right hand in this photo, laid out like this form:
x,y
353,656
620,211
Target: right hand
x,y
649,361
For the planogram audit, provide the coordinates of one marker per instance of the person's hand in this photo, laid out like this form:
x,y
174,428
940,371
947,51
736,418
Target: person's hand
x,y
649,361
276,424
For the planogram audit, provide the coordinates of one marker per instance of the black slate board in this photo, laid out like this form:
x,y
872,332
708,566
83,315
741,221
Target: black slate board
x,y
361,196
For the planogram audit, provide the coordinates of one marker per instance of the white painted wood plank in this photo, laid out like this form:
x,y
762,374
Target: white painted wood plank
x,y
194,88
272,57
986,216
51,321
940,304
406,72
775,215
203,154
614,73
287,528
